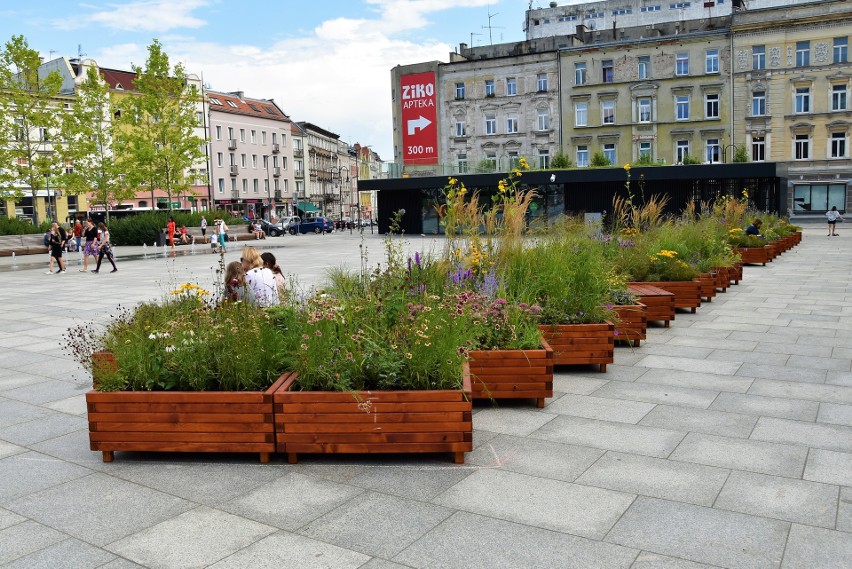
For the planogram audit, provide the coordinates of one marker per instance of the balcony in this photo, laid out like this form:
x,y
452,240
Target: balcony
x,y
276,148
277,194
298,153
232,144
234,170
235,195
299,174
276,172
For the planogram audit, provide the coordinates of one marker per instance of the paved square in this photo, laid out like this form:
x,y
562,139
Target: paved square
x,y
723,441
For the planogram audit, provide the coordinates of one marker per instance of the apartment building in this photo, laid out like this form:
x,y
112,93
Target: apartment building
x,y
324,170
792,80
251,152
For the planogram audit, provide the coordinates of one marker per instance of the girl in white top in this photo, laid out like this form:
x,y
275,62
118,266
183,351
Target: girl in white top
x,y
260,282
833,216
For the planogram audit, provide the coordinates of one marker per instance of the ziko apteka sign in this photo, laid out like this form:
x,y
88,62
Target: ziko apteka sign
x,y
419,119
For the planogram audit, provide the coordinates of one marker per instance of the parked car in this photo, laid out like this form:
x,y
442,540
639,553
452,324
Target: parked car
x,y
313,225
289,221
271,229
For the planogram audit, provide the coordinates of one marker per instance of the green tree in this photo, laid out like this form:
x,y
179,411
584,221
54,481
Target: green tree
x,y
31,116
741,153
560,161
96,170
599,160
156,131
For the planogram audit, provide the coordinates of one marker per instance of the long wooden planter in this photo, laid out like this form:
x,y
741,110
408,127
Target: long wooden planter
x,y
755,255
659,303
723,279
326,422
578,344
687,293
512,374
632,325
182,421
735,273
798,237
708,285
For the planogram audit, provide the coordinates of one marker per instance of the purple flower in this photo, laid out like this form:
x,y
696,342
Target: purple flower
x,y
417,258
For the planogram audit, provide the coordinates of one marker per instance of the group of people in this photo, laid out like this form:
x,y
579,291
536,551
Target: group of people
x,y
255,278
97,245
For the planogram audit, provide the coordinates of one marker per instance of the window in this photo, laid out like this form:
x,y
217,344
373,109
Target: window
x,y
582,156
254,161
511,124
608,112
461,161
679,5
712,150
682,64
232,104
543,119
581,114
841,50
265,161
459,128
711,61
242,160
263,137
758,57
253,135
645,154
622,11
681,150
580,73
490,124
819,197
803,99
644,106
541,82
802,147
283,139
838,145
245,186
274,161
221,185
266,186
489,87
838,98
459,90
233,159
543,159
644,69
215,101
649,9
682,107
220,158
490,161
758,104
274,138
255,186
609,152
242,135
608,71
233,187
218,132
711,106
511,86
758,149
803,53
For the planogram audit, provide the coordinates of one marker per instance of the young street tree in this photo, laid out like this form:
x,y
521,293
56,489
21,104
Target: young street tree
x,y
31,115
156,131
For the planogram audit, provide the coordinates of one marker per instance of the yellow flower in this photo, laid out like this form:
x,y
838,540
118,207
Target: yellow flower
x,y
627,167
453,181
524,164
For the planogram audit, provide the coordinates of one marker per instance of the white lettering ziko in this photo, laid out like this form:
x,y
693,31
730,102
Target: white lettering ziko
x,y
417,91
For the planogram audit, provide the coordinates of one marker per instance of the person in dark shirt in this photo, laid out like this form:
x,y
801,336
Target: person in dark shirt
x,y
90,248
754,228
58,238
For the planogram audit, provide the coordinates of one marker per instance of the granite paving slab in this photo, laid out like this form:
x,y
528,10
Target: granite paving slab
x,y
742,454
576,384
282,550
197,538
602,408
815,435
69,553
781,498
829,467
606,435
701,534
766,406
700,421
697,380
844,510
667,394
793,390
24,538
653,561
29,472
835,414
690,364
545,503
780,373
411,479
469,541
816,548
540,458
510,421
668,479
44,428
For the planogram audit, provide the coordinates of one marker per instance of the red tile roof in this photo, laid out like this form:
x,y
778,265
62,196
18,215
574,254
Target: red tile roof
x,y
116,79
230,103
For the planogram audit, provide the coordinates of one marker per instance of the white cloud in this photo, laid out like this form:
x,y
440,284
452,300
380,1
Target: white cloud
x,y
140,16
337,77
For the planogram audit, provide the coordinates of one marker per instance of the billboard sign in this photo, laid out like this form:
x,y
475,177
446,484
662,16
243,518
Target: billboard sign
x,y
419,118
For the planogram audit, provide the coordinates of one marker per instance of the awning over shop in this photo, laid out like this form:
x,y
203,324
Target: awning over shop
x,y
307,207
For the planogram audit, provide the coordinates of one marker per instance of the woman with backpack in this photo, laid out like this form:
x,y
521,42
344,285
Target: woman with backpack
x,y
104,248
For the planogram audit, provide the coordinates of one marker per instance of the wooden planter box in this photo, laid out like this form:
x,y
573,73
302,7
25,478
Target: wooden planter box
x,y
512,374
723,279
708,285
632,325
755,255
797,237
182,421
578,344
735,273
659,303
687,293
328,422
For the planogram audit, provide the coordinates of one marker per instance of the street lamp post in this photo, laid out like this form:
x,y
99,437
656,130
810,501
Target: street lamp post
x,y
339,171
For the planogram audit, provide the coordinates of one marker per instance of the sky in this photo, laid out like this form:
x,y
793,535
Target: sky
x,y
326,62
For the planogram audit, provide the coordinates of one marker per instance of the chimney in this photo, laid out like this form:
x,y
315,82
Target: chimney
x,y
462,47
553,4
239,94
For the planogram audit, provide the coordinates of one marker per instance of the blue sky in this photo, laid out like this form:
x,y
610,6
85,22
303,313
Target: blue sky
x,y
326,61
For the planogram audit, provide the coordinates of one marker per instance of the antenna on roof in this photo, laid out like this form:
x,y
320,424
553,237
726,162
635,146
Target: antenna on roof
x,y
50,54
80,53
490,27
471,37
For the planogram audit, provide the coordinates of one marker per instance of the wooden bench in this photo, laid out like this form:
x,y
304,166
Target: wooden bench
x,y
32,244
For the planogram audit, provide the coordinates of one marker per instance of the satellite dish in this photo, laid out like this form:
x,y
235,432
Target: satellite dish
x,y
592,24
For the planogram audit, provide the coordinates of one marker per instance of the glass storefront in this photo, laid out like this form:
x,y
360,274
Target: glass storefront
x,y
818,198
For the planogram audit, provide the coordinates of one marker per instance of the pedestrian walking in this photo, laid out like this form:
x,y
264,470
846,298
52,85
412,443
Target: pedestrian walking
x,y
58,238
170,230
222,229
203,228
90,247
832,217
104,248
78,235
